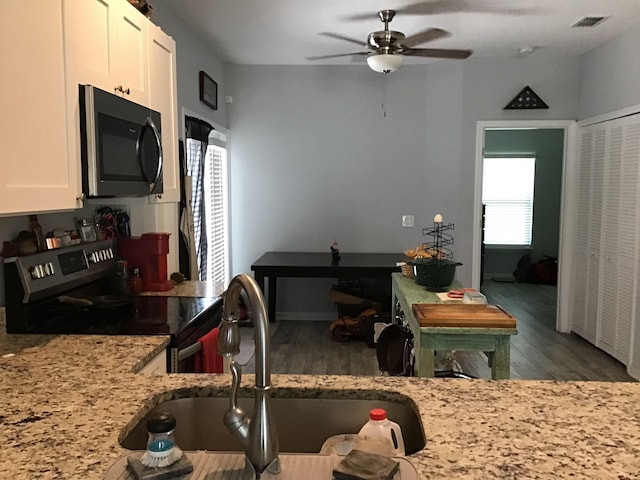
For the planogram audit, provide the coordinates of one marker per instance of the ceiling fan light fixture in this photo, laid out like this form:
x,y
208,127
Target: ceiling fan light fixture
x,y
385,62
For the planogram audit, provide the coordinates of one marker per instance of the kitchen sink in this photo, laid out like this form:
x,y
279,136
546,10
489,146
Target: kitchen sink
x,y
303,424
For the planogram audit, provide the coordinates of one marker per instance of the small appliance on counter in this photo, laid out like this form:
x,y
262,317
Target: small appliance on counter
x,y
148,253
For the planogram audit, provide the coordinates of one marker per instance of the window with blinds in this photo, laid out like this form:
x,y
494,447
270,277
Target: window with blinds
x,y
507,192
216,211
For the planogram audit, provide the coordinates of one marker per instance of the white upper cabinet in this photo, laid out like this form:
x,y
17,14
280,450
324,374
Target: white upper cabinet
x,y
107,47
50,47
37,172
163,97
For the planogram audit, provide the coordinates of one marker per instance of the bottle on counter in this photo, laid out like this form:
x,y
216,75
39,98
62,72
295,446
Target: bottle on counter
x,y
379,426
135,281
121,277
36,229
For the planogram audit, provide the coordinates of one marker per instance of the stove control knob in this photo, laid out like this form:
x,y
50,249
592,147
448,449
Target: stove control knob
x,y
48,268
37,272
109,253
102,255
92,257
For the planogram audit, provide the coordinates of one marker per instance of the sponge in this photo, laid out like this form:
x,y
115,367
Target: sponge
x,y
175,470
359,465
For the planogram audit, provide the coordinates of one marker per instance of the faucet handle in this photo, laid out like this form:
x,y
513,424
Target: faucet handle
x,y
236,377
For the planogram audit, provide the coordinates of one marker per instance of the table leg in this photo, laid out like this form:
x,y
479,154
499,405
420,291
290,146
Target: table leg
x,y
273,282
260,281
426,357
501,365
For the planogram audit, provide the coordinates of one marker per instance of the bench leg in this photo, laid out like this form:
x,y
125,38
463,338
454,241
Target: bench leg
x,y
501,361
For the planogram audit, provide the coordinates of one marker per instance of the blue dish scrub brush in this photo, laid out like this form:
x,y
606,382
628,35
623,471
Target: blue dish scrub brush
x,y
162,450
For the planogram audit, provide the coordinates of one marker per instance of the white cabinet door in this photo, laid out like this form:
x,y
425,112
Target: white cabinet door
x,y
130,48
107,47
37,173
163,97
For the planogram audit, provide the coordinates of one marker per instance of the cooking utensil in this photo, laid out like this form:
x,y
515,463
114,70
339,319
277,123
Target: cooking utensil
x,y
394,350
434,273
98,301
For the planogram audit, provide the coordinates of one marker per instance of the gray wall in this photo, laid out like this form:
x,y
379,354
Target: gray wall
x,y
548,146
192,56
314,157
610,73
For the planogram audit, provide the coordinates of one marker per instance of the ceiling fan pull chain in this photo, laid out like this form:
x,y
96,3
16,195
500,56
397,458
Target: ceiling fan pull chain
x,y
384,96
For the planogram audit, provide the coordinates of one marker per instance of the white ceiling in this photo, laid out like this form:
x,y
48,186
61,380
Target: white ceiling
x,y
285,32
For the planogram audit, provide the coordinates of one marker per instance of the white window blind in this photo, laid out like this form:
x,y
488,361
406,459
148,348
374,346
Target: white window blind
x,y
216,208
507,192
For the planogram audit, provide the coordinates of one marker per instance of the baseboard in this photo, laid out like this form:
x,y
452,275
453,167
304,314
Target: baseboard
x,y
307,316
634,371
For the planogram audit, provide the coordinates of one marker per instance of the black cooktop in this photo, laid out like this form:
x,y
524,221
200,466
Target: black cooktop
x,y
144,316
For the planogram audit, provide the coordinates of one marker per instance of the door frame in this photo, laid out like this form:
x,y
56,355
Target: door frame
x,y
567,204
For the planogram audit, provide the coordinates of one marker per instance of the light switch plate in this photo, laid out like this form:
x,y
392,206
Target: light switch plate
x,y
408,220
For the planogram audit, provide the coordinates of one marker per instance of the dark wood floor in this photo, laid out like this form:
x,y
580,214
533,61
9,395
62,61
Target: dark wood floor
x,y
537,352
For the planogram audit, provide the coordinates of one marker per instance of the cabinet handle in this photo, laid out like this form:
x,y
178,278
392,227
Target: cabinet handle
x,y
121,89
80,197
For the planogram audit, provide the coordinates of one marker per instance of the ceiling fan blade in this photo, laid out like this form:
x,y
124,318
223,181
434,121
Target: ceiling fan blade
x,y
342,37
437,53
323,57
425,36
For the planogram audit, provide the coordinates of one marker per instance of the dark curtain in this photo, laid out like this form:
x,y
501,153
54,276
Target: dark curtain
x,y
198,132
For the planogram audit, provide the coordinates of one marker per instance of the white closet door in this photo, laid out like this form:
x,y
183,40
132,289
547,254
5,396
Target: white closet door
x,y
609,255
628,255
594,232
581,241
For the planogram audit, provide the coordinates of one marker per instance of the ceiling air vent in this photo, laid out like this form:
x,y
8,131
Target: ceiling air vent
x,y
589,21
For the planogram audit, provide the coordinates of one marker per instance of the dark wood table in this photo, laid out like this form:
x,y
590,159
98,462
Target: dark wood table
x,y
272,265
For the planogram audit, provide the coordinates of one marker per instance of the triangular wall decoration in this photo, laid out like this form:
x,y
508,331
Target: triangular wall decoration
x,y
526,99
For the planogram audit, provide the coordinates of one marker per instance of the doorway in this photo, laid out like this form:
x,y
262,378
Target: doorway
x,y
566,190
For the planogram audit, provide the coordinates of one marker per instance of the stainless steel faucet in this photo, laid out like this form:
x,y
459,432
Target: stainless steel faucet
x,y
258,435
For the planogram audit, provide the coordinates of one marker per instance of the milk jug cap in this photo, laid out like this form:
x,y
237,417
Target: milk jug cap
x,y
378,414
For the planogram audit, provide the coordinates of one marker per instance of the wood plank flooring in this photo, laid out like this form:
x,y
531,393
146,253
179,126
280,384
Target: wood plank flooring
x,y
537,352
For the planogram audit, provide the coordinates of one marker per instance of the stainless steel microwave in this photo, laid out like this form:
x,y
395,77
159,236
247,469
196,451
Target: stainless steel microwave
x,y
121,146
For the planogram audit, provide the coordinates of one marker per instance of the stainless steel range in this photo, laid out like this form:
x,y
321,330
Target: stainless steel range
x,y
42,293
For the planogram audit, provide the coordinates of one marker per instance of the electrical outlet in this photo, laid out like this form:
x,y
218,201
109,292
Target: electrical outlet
x,y
408,220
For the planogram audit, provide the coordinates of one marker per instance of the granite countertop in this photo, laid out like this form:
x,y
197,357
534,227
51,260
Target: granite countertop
x,y
189,288
65,401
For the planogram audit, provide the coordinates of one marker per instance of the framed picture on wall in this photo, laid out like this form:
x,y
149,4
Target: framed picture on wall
x,y
208,91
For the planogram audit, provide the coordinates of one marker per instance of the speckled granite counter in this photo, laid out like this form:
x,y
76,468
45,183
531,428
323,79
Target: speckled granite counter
x,y
188,288
65,400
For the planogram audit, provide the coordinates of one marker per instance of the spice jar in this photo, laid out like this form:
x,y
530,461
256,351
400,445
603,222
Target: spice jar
x,y
87,230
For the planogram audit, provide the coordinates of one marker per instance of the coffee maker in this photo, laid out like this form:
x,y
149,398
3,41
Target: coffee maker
x,y
148,252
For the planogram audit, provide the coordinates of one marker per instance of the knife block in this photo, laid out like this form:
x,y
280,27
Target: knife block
x,y
148,252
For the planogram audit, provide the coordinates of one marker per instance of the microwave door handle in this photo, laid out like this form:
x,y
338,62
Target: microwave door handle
x,y
149,124
156,135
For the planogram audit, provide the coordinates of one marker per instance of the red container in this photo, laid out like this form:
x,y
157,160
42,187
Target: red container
x,y
148,252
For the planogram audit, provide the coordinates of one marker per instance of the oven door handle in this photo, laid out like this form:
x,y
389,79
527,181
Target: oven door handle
x,y
189,351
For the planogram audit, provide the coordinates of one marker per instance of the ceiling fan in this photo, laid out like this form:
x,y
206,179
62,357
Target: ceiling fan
x,y
386,48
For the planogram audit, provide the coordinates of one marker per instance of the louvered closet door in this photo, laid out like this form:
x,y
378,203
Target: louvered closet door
x,y
609,254
581,241
594,233
627,238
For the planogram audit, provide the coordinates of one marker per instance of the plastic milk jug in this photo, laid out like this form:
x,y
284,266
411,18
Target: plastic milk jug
x,y
379,426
